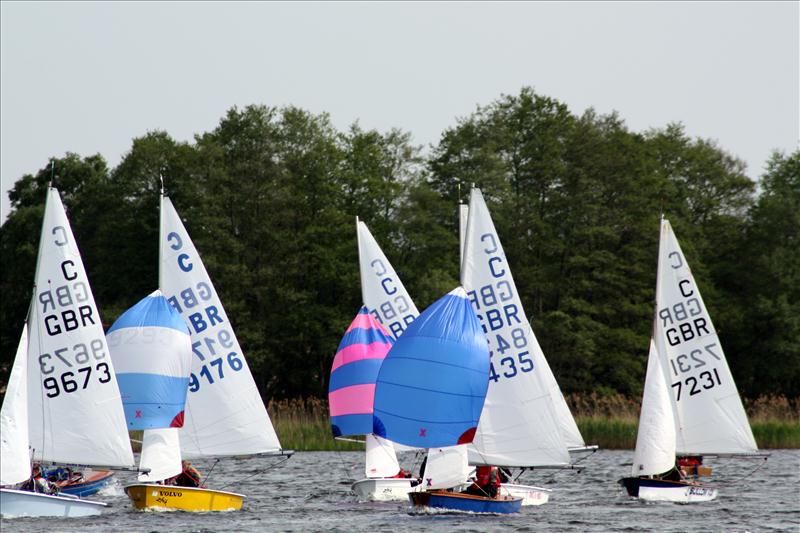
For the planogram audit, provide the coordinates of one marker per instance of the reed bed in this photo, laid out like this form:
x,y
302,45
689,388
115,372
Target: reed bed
x,y
609,421
303,425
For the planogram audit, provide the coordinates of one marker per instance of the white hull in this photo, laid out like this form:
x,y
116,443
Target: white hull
x,y
677,494
530,495
382,489
18,503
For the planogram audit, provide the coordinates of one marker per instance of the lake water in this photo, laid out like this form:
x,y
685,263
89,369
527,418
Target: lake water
x,y
311,492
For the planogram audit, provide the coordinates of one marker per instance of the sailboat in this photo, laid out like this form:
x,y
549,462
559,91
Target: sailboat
x,y
690,404
387,312
224,413
350,397
430,393
62,404
525,422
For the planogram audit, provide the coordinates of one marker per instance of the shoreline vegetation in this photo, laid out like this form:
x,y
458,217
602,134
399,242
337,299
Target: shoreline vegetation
x,y
608,421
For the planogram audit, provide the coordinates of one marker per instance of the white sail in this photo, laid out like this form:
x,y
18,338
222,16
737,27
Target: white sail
x,y
518,425
161,454
655,440
709,415
381,288
446,468
381,460
224,412
15,463
387,299
74,410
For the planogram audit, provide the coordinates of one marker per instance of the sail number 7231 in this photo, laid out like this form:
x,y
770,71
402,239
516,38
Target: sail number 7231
x,y
695,385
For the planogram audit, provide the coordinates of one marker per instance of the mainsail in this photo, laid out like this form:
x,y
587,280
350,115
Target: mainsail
x,y
526,421
224,413
74,411
709,416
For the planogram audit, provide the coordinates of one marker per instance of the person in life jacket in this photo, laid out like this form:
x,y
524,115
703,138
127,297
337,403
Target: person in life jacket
x,y
487,481
38,483
190,477
402,474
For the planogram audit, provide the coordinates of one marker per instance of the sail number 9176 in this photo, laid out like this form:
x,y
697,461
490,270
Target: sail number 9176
x,y
214,369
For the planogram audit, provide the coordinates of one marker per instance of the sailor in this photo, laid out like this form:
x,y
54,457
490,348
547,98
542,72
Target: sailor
x,y
189,477
38,483
487,481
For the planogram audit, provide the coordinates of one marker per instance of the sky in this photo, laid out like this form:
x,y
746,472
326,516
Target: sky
x,y
89,77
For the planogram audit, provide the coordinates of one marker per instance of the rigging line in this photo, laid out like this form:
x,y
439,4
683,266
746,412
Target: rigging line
x,y
208,475
756,469
344,466
258,472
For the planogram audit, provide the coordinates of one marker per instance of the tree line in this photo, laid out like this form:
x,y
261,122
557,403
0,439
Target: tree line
x,y
270,198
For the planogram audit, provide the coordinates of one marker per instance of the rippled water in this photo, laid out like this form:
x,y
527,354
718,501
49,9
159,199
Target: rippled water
x,y
311,492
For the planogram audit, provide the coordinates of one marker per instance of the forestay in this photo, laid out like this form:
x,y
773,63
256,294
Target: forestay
x,y
152,354
161,454
224,412
709,415
655,440
431,386
74,409
525,419
15,462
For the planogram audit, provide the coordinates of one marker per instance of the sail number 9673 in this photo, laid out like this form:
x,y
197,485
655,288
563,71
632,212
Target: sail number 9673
x,y
695,385
69,382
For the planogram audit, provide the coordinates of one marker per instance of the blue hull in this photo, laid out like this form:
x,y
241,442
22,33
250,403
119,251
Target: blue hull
x,y
455,501
87,488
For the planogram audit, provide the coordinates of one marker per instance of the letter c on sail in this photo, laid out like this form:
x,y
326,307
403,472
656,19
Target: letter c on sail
x,y
183,262
178,244
61,236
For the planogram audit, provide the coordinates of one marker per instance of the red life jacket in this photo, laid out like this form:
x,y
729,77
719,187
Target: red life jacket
x,y
487,476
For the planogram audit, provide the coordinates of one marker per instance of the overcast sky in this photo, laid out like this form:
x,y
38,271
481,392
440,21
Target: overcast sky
x,y
89,77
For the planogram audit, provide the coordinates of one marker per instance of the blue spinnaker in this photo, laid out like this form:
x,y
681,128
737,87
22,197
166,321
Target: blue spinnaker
x,y
431,386
151,350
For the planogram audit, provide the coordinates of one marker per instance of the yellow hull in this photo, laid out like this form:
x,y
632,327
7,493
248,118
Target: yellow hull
x,y
150,496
